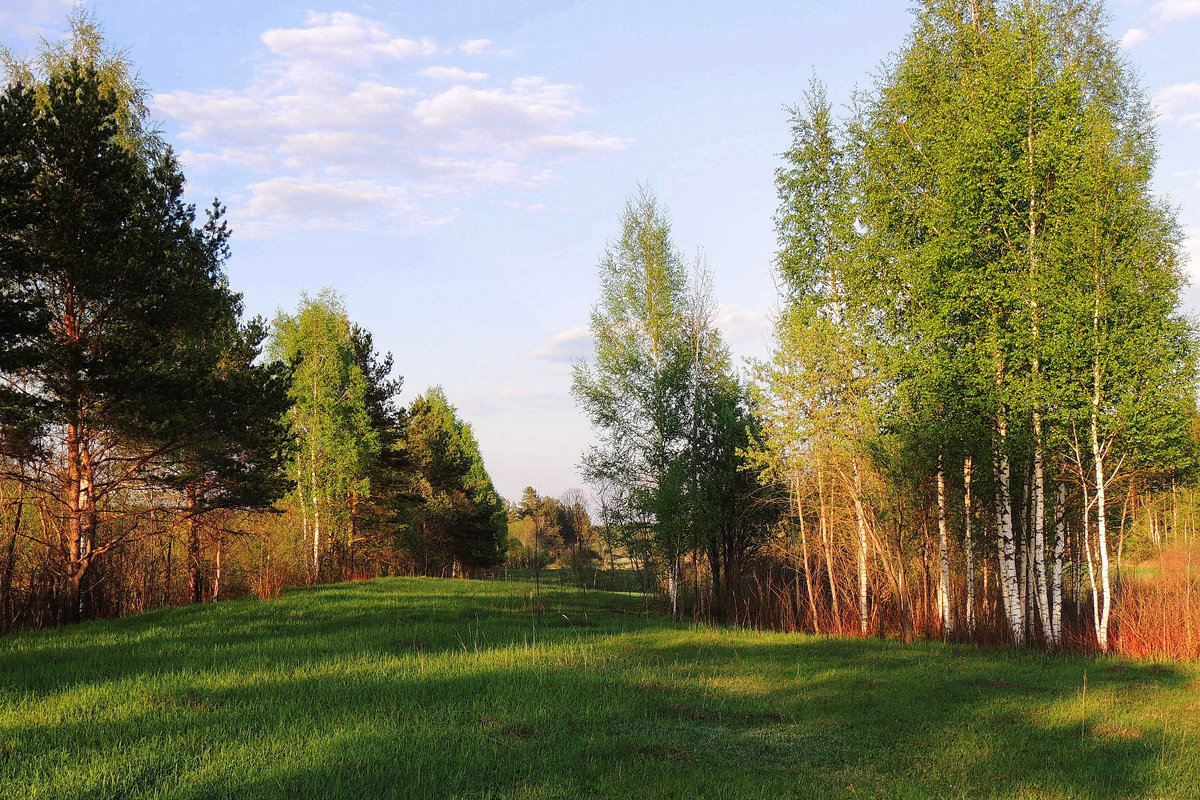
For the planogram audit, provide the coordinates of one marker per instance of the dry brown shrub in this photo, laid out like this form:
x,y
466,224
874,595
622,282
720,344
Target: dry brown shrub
x,y
1157,613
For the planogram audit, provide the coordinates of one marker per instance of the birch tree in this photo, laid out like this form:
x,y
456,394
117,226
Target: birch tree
x,y
830,345
336,441
636,389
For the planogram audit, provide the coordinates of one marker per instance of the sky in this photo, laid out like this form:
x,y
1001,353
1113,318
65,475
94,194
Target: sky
x,y
455,170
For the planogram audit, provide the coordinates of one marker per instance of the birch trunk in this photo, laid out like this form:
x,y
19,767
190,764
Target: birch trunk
x,y
1010,584
1091,569
1098,461
828,545
812,598
860,514
673,584
316,504
219,571
968,545
1060,543
1039,528
944,554
1101,529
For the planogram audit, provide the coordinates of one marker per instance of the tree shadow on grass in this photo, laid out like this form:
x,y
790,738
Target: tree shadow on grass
x,y
365,619
655,712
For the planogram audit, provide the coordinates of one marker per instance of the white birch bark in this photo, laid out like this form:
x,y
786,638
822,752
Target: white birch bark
x,y
812,598
1010,582
968,545
944,553
860,514
828,545
1087,549
1101,526
316,544
1060,541
1039,528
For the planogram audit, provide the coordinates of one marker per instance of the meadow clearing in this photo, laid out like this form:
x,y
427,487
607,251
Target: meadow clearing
x,y
442,688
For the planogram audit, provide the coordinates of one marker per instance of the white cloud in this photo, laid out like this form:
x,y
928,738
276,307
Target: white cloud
x,y
577,142
565,347
26,19
452,74
275,204
1175,10
341,39
338,129
517,205
1134,37
1179,103
528,105
748,331
1191,250
476,47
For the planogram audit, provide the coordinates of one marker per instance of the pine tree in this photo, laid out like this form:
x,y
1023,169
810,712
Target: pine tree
x,y
109,289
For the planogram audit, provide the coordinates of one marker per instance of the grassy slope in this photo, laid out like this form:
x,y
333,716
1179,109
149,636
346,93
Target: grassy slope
x,y
427,688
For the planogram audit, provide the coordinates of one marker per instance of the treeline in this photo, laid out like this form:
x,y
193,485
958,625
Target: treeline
x,y
981,379
155,446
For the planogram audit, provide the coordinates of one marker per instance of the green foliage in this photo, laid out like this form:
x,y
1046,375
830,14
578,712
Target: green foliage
x,y
660,393
85,45
336,440
101,258
635,389
238,456
462,521
1004,158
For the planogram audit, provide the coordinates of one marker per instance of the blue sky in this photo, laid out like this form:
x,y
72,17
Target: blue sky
x,y
454,169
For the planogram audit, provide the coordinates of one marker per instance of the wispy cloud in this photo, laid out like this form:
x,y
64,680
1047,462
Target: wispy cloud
x,y
452,74
343,39
1175,10
748,331
338,126
27,19
476,47
1179,103
1191,251
565,347
1160,16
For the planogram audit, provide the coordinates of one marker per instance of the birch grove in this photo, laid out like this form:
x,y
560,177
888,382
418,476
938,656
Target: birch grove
x,y
974,271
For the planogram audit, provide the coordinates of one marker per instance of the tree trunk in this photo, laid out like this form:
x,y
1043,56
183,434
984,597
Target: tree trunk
x,y
828,545
74,544
316,543
1060,542
1021,528
6,602
1039,527
1009,580
1101,526
218,571
812,598
195,586
861,517
944,554
1091,568
968,544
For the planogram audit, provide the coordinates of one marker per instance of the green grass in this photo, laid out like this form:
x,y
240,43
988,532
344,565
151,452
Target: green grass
x,y
429,688
622,580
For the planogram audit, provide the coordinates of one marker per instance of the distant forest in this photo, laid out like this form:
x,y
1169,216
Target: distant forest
x,y
978,421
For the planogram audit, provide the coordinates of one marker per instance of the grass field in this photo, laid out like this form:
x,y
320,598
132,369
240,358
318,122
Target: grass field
x,y
431,688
